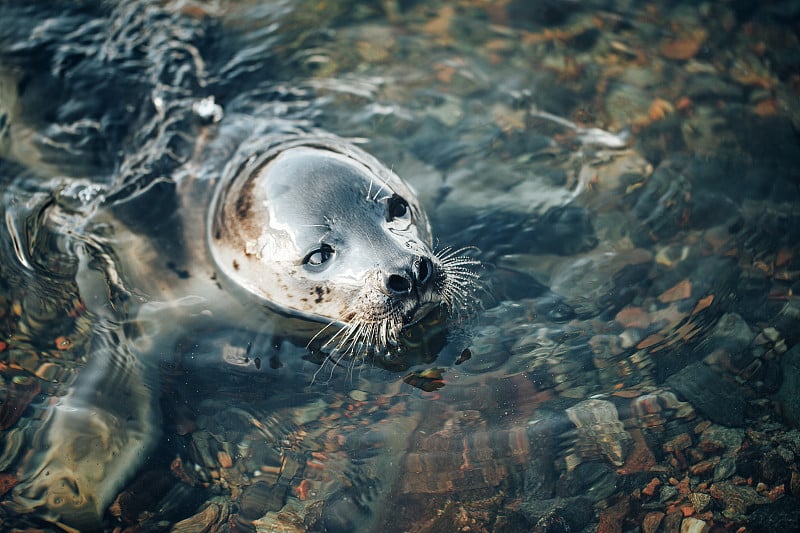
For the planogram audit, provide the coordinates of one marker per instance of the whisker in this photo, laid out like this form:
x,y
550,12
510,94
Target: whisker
x,y
317,334
443,254
461,280
380,189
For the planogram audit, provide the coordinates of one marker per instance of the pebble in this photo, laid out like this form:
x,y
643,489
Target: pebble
x,y
700,501
575,512
13,447
725,469
693,525
731,333
704,467
661,201
224,459
596,480
667,493
208,519
628,104
717,437
672,522
651,487
704,86
738,499
49,372
358,395
651,521
259,498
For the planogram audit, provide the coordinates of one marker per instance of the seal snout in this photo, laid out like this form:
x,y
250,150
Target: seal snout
x,y
415,278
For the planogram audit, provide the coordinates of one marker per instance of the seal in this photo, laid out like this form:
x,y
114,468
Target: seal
x,y
303,237
190,219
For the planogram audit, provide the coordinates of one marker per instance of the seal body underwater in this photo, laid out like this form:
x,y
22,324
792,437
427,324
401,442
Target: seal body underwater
x,y
300,235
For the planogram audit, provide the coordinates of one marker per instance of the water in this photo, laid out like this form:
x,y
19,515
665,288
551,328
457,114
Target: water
x,y
629,175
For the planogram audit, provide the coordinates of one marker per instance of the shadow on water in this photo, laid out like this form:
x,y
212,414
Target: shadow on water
x,y
628,176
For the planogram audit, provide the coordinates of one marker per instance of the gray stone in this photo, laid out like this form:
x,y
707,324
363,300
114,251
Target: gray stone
x,y
722,437
719,399
667,493
725,468
739,500
789,393
731,333
706,86
576,512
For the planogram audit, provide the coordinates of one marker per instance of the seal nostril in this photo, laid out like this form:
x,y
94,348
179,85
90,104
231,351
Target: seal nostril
x,y
424,269
398,284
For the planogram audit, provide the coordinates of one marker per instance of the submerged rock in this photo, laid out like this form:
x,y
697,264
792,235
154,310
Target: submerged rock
x,y
738,500
789,393
711,394
693,525
573,514
780,515
719,437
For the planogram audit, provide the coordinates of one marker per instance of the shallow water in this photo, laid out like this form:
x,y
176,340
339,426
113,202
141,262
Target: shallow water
x,y
629,175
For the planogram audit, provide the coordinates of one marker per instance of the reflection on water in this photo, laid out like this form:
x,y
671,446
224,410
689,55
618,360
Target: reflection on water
x,y
629,176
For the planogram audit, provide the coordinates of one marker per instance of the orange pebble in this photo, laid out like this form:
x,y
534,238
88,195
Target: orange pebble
x,y
224,459
651,487
63,343
302,490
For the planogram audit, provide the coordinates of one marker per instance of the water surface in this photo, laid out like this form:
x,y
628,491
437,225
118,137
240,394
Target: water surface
x,y
628,173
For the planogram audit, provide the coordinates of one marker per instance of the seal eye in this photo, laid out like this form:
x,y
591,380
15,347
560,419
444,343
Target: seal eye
x,y
319,256
397,208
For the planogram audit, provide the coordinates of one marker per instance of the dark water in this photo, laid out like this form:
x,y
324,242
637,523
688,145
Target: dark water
x,y
630,175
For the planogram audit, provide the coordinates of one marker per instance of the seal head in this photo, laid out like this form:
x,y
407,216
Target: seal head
x,y
321,230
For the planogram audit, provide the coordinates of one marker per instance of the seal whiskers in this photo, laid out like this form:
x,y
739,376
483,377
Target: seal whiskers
x,y
363,332
459,283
